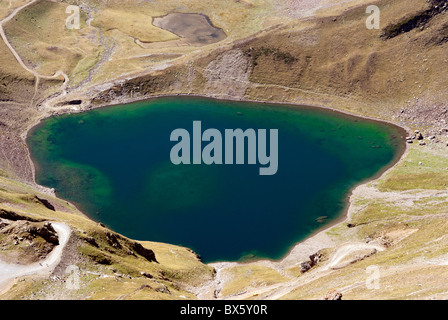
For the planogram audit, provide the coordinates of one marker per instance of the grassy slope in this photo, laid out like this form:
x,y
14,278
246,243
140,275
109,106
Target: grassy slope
x,y
39,35
414,264
335,62
116,269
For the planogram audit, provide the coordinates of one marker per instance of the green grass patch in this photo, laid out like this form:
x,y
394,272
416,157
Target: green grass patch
x,y
421,169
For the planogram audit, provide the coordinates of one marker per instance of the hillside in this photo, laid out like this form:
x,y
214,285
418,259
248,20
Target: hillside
x,y
316,53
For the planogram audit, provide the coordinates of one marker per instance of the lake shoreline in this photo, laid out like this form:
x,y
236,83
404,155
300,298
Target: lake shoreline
x,y
314,240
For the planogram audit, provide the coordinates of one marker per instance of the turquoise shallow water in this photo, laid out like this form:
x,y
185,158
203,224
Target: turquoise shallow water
x,y
114,163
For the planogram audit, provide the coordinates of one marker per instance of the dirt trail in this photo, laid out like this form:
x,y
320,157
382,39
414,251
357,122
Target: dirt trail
x,y
277,291
9,272
298,254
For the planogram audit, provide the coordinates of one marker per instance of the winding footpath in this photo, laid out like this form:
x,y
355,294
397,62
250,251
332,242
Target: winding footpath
x,y
9,272
38,76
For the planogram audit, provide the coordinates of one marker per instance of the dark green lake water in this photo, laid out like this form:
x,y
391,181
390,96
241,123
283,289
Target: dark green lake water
x,y
114,163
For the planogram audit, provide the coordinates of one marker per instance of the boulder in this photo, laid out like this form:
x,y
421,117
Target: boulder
x,y
3,224
305,266
333,295
146,275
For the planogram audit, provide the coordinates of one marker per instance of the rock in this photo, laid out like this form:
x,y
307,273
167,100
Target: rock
x,y
145,286
45,203
315,259
49,226
350,225
146,253
92,241
74,102
321,219
384,241
101,259
422,143
113,240
47,232
3,224
333,295
305,266
146,275
419,136
14,216
163,289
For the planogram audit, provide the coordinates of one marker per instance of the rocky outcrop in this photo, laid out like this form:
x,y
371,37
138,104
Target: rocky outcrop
x,y
112,239
25,242
45,203
3,224
307,265
14,159
228,74
14,216
131,247
46,232
419,20
91,241
148,254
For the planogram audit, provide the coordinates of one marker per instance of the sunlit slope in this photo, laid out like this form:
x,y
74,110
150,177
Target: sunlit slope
x,y
110,265
332,60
